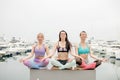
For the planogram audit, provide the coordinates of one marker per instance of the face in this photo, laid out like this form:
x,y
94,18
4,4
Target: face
x,y
83,35
62,35
40,37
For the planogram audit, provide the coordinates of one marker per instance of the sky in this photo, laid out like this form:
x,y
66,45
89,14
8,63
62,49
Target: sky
x,y
26,18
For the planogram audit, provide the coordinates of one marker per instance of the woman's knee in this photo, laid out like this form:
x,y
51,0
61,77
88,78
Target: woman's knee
x,y
46,61
26,62
73,62
70,59
52,60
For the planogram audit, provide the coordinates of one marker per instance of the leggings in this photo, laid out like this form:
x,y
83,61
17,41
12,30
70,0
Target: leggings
x,y
86,66
63,61
63,64
36,63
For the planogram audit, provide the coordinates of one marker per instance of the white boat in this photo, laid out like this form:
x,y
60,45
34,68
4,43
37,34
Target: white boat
x,y
3,46
24,47
102,50
98,46
117,54
3,43
2,53
19,47
112,50
95,47
28,49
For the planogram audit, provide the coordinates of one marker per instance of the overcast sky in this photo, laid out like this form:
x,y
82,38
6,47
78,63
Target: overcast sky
x,y
26,18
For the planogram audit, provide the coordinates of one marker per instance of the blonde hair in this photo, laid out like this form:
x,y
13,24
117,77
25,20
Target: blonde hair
x,y
40,34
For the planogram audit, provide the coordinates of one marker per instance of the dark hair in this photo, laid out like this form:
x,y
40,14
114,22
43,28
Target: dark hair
x,y
68,44
82,32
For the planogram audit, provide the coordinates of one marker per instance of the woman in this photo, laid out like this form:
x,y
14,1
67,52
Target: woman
x,y
83,50
39,51
63,47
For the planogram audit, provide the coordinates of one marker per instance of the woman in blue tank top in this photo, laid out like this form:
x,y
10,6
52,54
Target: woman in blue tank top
x,y
38,51
83,50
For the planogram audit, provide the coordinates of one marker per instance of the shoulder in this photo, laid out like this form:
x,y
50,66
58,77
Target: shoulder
x,y
46,45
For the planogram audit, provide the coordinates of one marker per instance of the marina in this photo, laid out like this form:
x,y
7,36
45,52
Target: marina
x,y
9,62
30,30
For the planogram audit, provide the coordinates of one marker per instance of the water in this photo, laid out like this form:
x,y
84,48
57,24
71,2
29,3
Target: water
x,y
11,69
109,70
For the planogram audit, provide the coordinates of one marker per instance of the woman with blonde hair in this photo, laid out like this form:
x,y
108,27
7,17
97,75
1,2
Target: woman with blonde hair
x,y
38,51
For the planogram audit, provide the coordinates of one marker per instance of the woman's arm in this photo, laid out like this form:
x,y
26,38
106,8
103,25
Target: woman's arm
x,y
75,54
53,51
30,55
47,50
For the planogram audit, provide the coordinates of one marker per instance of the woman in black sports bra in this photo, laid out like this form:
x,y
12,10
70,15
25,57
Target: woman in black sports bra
x,y
63,47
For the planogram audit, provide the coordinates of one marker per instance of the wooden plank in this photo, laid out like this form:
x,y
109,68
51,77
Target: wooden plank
x,y
62,74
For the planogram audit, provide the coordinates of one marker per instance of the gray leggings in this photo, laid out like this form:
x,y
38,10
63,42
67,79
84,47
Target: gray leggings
x,y
57,63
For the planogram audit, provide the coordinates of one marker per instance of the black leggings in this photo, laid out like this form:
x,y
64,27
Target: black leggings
x,y
63,61
98,62
78,61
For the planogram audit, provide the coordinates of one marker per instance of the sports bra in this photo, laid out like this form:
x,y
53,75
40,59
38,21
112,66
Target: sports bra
x,y
62,49
39,51
85,50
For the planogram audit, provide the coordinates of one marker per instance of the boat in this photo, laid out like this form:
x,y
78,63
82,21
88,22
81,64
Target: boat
x,y
2,53
117,54
113,50
3,43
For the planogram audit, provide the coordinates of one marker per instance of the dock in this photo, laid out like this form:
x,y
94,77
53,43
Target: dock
x,y
62,74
